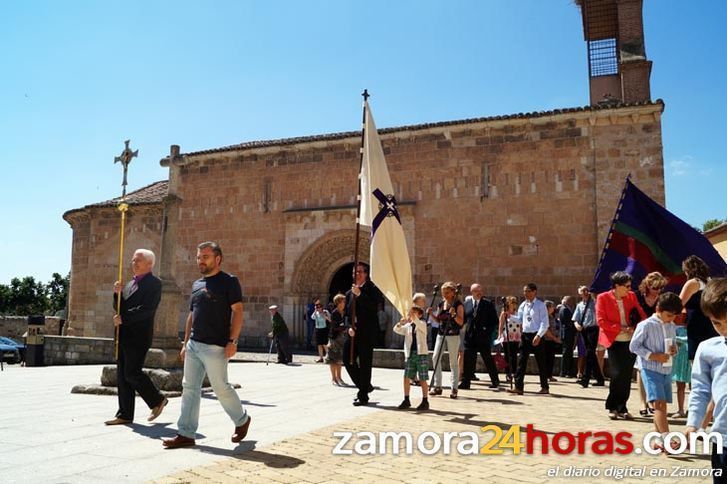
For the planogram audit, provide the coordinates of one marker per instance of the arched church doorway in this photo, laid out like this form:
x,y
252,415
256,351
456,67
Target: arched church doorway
x,y
341,281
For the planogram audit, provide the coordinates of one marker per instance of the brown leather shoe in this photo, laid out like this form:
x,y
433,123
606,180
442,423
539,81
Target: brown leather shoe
x,y
544,391
117,421
515,391
156,411
178,441
241,431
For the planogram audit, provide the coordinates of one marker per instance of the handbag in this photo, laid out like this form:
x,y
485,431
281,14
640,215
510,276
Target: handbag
x,y
500,362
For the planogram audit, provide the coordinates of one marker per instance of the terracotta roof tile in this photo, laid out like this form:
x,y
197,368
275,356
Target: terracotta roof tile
x,y
147,195
415,127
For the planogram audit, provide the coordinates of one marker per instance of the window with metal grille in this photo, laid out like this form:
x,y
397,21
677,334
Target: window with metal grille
x,y
603,57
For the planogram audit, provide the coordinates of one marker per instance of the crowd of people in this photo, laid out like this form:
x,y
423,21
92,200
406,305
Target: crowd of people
x,y
665,338
655,335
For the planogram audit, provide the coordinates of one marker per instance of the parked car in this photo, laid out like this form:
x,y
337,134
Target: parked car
x,y
11,350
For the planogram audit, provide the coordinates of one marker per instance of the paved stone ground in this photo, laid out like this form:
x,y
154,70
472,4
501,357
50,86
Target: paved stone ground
x,y
50,435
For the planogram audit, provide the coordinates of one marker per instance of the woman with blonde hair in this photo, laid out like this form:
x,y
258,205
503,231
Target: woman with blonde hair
x,y
450,316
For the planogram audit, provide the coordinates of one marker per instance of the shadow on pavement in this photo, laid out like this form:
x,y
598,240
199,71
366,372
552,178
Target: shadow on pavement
x,y
503,426
492,400
246,451
573,397
432,411
156,430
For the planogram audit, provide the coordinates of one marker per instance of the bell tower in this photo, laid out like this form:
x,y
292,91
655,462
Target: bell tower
x,y
618,70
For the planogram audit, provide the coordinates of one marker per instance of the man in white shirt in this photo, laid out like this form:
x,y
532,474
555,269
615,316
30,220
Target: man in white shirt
x,y
533,316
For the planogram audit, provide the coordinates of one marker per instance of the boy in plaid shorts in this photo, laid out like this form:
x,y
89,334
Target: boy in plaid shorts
x,y
416,352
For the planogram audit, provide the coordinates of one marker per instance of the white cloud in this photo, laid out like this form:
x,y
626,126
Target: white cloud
x,y
681,166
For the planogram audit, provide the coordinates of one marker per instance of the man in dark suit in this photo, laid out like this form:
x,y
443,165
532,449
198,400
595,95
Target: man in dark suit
x,y
565,316
139,301
366,297
481,320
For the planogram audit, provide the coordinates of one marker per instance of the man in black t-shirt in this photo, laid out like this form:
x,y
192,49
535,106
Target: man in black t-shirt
x,y
210,340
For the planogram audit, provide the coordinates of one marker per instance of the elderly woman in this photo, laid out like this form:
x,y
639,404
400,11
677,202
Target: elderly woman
x,y
649,290
613,313
450,316
334,355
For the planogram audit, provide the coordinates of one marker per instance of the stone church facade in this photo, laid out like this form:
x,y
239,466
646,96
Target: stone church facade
x,y
502,200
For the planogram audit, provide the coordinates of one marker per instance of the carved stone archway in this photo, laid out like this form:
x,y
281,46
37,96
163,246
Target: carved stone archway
x,y
320,261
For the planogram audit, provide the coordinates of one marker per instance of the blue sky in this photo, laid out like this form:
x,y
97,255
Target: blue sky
x,y
80,77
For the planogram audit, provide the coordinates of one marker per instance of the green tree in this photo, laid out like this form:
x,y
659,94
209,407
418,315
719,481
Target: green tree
x,y
57,290
27,296
5,299
712,223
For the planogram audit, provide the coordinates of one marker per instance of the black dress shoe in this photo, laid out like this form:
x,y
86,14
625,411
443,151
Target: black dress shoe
x,y
464,386
371,388
583,383
360,403
404,404
599,384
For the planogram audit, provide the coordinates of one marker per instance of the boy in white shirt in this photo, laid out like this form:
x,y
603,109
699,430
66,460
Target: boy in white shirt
x,y
416,352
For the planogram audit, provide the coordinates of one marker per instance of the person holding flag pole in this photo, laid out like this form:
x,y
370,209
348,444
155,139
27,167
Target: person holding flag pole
x,y
390,268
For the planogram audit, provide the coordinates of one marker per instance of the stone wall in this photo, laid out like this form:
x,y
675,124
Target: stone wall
x,y
95,261
15,326
67,350
500,201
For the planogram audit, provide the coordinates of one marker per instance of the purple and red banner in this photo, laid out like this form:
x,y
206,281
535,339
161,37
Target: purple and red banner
x,y
646,237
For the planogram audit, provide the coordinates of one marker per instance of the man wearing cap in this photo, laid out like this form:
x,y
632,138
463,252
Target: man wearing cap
x,y
280,336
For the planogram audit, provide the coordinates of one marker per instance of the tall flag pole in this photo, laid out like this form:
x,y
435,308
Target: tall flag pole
x,y
352,306
645,237
124,158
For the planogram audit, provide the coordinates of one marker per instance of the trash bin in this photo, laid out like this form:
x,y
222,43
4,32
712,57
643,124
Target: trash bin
x,y
35,340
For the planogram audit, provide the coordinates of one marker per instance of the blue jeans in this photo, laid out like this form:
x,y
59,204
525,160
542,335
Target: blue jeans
x,y
201,358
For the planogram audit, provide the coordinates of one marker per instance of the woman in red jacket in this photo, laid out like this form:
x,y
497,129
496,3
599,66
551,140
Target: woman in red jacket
x,y
613,313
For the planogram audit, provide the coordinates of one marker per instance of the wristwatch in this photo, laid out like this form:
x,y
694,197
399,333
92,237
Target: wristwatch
x,y
233,341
